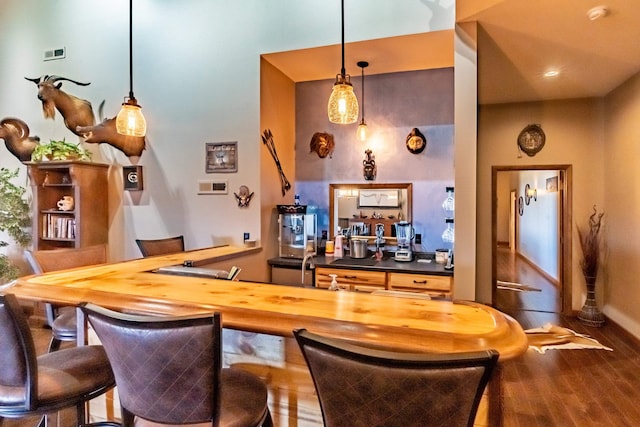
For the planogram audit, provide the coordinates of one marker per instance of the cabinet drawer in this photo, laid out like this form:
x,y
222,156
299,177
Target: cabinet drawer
x,y
359,280
421,282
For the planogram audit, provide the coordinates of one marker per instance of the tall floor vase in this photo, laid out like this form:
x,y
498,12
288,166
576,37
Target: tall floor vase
x,y
590,314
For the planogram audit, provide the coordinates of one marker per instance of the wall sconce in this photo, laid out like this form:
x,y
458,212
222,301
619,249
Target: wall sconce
x,y
530,193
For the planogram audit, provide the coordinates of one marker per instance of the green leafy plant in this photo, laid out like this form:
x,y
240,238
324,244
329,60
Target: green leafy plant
x,y
59,150
14,219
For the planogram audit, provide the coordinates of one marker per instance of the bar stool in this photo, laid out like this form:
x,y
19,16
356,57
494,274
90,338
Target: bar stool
x,y
61,319
375,388
31,384
169,371
169,245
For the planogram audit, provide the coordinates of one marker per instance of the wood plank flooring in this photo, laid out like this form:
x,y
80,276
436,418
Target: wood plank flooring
x,y
565,387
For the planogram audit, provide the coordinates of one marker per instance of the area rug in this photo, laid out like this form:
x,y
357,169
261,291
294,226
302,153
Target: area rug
x,y
552,337
518,287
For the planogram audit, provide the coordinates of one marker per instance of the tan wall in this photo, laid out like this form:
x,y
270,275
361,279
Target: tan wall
x,y
622,201
574,135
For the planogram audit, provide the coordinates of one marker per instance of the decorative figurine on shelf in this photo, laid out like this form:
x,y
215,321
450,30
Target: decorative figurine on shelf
x,y
243,196
322,144
369,170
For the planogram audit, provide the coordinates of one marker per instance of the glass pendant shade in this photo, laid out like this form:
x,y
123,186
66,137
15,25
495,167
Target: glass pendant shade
x,y
343,104
130,120
362,131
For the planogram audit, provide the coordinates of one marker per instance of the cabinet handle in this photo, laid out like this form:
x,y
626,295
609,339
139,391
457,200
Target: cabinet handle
x,y
420,282
350,277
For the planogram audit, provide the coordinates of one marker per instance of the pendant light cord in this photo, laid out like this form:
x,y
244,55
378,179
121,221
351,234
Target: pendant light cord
x,y
363,92
342,70
131,50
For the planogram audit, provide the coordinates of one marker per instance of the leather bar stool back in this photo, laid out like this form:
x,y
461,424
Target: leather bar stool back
x,y
169,371
374,388
31,384
62,320
169,245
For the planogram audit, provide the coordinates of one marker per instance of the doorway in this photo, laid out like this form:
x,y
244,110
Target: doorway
x,y
531,238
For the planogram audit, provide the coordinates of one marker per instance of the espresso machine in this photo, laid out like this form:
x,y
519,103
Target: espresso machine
x,y
297,235
404,235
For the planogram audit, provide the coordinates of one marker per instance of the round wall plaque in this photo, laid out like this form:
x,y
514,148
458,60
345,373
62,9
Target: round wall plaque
x,y
531,140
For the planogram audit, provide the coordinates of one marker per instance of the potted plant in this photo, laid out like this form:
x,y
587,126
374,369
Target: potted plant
x,y
14,220
59,150
591,244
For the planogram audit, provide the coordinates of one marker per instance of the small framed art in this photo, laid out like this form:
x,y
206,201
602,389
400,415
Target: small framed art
x,y
221,157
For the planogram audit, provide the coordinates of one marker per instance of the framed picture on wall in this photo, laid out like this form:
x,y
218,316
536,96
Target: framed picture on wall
x,y
552,184
221,157
378,198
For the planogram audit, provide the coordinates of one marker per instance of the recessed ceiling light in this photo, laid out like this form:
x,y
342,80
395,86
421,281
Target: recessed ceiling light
x,y
551,73
597,12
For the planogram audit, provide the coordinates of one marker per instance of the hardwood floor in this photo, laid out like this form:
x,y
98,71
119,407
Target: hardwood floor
x,y
566,387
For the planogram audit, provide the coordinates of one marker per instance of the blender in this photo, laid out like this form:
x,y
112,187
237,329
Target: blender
x,y
404,234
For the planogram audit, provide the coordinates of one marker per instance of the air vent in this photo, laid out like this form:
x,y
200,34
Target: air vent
x,y
212,187
58,53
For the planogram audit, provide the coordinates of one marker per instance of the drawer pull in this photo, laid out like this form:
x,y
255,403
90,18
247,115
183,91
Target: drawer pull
x,y
350,277
420,282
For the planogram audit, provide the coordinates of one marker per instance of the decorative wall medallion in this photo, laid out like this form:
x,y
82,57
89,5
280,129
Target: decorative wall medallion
x,y
520,206
369,166
243,196
322,144
531,140
416,141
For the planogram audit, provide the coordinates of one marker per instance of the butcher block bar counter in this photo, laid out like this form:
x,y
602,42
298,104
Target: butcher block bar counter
x,y
405,324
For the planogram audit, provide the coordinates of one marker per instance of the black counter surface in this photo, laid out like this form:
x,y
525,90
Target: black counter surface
x,y
423,263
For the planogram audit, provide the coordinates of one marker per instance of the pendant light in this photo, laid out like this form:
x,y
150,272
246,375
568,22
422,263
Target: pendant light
x,y
361,133
343,104
130,120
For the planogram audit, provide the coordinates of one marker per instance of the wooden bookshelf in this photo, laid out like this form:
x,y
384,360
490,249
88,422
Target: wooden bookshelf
x,y
84,225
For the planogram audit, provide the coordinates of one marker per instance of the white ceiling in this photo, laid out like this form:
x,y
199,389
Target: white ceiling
x,y
518,40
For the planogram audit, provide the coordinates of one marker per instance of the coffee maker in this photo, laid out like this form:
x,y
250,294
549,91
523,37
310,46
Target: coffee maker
x,y
297,235
404,235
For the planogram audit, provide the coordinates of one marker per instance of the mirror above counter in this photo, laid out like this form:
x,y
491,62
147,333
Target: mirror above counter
x,y
365,205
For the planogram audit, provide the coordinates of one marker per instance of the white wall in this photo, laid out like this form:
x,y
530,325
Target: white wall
x,y
538,239
197,77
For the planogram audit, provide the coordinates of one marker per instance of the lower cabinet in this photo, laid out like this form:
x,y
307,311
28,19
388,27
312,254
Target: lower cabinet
x,y
369,281
351,280
440,286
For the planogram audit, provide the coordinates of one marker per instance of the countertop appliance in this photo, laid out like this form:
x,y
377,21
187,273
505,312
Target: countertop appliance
x,y
297,236
404,235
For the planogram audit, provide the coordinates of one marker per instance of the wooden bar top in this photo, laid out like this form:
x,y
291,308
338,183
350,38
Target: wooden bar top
x,y
397,323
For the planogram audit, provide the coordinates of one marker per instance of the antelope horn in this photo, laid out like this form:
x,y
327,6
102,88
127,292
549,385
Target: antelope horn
x,y
54,79
18,124
36,80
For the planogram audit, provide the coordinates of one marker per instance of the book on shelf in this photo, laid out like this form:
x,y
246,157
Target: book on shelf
x,y
58,227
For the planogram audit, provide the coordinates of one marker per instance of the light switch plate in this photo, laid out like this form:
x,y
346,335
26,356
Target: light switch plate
x,y
213,187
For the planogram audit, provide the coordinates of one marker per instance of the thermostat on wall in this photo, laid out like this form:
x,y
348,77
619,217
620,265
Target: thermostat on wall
x,y
213,187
